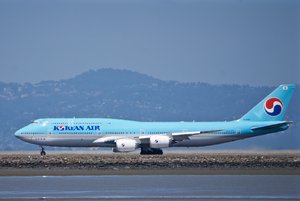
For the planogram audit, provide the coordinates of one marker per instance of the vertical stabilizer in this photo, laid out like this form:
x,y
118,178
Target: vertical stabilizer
x,y
273,107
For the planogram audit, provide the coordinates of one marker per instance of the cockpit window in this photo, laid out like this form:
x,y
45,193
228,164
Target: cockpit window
x,y
41,122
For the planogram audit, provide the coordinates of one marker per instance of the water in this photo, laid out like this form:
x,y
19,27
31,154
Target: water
x,y
151,187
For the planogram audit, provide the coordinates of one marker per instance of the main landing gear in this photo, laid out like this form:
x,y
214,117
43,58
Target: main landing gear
x,y
43,153
151,151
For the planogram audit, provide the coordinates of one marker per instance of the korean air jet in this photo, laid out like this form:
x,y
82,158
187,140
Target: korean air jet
x,y
126,136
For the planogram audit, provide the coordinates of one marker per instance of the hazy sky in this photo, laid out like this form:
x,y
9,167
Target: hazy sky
x,y
235,41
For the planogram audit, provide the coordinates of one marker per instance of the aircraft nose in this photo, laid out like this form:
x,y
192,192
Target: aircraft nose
x,y
18,133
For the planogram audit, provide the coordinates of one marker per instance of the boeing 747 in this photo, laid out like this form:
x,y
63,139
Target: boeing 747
x,y
126,135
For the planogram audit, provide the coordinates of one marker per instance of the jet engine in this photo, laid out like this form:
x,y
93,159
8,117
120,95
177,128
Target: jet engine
x,y
125,145
159,141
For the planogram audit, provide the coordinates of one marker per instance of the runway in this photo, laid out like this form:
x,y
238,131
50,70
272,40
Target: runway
x,y
22,163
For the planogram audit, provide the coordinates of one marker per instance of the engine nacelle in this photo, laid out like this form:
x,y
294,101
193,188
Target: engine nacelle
x,y
125,145
160,141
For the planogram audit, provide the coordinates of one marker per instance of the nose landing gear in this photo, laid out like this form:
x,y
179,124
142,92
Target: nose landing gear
x,y
43,153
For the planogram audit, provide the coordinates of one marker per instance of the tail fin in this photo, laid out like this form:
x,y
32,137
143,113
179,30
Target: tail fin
x,y
273,107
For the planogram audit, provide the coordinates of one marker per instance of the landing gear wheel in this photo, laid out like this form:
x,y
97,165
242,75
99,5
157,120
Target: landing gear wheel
x,y
151,151
43,153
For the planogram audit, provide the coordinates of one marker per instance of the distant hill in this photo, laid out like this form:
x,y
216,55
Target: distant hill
x,y
129,95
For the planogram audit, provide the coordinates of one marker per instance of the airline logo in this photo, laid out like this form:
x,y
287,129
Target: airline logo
x,y
61,128
76,128
273,106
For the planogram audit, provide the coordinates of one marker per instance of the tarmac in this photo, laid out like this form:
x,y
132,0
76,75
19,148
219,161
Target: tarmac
x,y
178,162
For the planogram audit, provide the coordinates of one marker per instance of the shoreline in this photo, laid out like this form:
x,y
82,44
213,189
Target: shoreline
x,y
126,172
71,163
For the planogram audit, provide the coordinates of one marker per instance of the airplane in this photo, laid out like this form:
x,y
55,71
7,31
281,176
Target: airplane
x,y
151,137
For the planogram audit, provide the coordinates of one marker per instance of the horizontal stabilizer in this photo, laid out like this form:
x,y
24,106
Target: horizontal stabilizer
x,y
273,126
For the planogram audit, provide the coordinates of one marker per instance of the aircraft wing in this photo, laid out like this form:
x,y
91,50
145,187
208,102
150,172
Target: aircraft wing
x,y
193,133
108,139
178,136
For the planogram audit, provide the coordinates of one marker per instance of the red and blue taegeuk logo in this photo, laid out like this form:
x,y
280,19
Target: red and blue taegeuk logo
x,y
273,106
61,127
